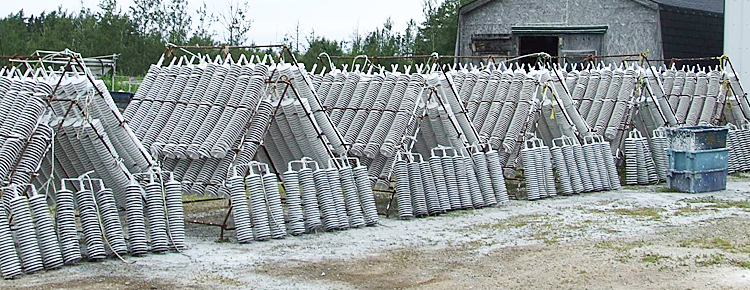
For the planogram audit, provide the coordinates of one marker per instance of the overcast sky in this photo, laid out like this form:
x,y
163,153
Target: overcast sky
x,y
272,19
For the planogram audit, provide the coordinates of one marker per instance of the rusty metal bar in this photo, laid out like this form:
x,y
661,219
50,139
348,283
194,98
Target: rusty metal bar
x,y
202,200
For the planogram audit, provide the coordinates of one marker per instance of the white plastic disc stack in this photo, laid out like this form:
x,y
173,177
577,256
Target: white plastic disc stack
x,y
403,195
484,178
449,173
366,196
135,219
337,196
276,217
46,229
609,162
105,200
549,177
258,211
438,177
294,202
351,197
10,265
325,198
175,213
529,164
417,188
90,226
66,227
240,209
558,159
496,174
659,153
309,199
589,151
477,199
156,218
572,164
631,159
28,244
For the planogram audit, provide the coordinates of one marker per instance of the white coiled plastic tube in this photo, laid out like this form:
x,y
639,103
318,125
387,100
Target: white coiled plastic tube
x,y
416,189
276,212
698,98
685,97
431,194
533,186
403,194
10,265
28,244
351,198
440,182
559,162
258,211
105,200
175,213
309,200
90,225
156,216
240,209
66,227
605,78
627,88
325,198
294,202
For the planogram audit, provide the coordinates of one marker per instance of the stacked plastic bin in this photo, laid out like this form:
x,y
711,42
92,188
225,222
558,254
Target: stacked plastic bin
x,y
697,158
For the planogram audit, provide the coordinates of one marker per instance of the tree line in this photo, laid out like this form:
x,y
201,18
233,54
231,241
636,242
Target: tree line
x,y
140,33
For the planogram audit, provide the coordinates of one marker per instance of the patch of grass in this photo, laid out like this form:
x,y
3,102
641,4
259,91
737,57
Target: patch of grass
x,y
739,175
715,243
475,244
654,258
666,189
665,268
720,203
457,213
624,257
546,236
605,201
741,264
579,226
618,246
509,223
641,212
644,213
607,245
218,279
721,244
690,210
709,260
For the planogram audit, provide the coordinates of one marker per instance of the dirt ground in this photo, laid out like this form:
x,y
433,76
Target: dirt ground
x,y
635,238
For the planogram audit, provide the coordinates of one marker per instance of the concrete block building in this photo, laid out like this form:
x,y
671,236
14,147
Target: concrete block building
x,y
577,28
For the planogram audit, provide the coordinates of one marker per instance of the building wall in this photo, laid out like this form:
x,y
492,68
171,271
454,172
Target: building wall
x,y
689,33
632,27
737,37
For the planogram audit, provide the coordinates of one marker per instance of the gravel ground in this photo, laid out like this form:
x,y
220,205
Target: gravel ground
x,y
635,238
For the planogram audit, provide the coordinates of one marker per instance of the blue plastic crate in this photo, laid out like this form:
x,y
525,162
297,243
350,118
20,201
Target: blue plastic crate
x,y
698,160
697,181
695,138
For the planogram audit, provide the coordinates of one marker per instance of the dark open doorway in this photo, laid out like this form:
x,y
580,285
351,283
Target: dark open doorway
x,y
533,44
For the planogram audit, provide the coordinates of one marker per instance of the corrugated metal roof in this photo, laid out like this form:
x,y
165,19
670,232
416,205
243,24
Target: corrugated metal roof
x,y
714,6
